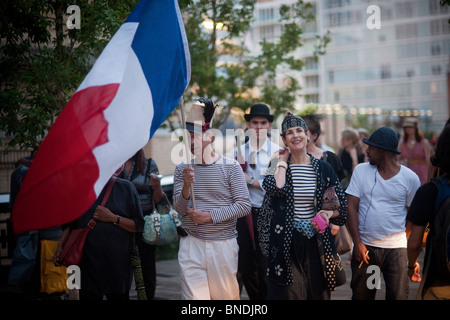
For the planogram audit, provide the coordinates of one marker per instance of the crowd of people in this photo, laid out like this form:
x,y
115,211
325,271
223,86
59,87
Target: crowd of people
x,y
261,220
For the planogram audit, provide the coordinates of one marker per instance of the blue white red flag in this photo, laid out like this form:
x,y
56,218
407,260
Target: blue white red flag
x,y
133,86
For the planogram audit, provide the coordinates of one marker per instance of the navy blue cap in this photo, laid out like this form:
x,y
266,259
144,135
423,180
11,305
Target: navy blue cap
x,y
384,138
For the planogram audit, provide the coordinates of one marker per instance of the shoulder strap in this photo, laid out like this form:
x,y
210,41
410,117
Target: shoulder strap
x,y
91,224
108,191
443,186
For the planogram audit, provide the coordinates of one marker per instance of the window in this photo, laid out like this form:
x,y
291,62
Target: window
x,y
435,48
312,98
436,70
266,15
435,27
385,71
404,10
311,64
311,81
331,76
267,32
336,96
406,31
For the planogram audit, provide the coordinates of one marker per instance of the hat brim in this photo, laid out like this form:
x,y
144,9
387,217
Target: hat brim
x,y
248,116
366,141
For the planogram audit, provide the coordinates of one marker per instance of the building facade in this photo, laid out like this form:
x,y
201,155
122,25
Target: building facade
x,y
386,58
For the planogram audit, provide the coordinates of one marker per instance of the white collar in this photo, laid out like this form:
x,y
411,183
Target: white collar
x,y
264,147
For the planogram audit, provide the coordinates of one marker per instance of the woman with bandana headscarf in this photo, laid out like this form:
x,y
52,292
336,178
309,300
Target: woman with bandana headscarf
x,y
302,260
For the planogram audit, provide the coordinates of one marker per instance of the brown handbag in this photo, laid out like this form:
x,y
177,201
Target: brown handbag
x,y
330,200
72,251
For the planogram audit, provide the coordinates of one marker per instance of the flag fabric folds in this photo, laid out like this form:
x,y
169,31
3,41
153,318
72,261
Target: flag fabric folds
x,y
133,86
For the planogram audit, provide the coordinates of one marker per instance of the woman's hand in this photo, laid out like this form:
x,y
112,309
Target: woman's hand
x,y
283,154
104,214
155,184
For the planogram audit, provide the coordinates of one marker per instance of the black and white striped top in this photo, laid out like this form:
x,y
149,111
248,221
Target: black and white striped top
x,y
304,182
219,188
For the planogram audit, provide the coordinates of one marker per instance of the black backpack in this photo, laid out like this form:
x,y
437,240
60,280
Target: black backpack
x,y
440,227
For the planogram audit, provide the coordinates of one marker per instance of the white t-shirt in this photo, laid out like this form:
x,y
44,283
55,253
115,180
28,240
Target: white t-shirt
x,y
383,204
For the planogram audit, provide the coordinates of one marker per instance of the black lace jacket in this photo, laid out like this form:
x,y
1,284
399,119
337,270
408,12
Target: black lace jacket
x,y
276,218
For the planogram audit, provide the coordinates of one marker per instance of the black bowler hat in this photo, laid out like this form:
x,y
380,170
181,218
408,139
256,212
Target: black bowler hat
x,y
384,138
259,109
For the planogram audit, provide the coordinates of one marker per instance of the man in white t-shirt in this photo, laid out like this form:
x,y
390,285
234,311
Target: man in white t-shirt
x,y
379,195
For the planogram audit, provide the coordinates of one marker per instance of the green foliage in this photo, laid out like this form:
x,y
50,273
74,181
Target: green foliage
x,y
43,62
308,110
224,70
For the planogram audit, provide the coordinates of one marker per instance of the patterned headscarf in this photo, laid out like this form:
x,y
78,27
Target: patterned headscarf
x,y
292,120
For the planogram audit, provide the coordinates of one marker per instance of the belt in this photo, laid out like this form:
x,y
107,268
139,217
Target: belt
x,y
255,210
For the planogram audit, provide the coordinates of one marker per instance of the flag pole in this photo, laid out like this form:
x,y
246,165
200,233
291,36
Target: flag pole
x,y
186,144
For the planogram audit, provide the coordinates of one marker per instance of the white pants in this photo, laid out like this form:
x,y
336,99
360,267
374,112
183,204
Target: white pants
x,y
208,269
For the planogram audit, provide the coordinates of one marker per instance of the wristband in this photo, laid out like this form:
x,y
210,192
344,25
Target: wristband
x,y
282,164
413,267
118,220
329,213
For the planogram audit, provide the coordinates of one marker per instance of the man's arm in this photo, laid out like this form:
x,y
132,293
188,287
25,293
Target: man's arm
x,y
414,246
359,249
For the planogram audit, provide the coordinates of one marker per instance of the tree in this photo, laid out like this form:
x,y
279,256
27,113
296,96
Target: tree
x,y
223,68
43,62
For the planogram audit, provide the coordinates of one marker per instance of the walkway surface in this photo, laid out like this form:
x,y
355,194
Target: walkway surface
x,y
168,283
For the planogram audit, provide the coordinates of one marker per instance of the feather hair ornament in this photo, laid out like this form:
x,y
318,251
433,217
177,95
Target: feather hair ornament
x,y
208,113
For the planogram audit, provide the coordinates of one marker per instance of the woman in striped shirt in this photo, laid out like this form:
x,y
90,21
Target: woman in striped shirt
x,y
302,260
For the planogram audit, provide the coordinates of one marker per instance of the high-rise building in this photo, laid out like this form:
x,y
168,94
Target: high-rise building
x,y
387,58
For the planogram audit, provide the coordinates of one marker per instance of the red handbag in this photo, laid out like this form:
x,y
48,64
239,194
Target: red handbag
x,y
72,251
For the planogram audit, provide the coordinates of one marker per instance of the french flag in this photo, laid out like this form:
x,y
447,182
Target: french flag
x,y
133,86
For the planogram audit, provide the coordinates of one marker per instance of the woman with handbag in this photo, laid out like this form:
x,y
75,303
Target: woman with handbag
x,y
302,260
105,264
142,173
341,235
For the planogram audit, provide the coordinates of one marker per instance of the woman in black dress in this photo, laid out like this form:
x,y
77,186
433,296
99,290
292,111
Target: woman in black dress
x,y
105,266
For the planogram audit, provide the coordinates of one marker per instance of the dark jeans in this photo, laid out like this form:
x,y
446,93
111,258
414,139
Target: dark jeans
x,y
393,265
308,278
252,263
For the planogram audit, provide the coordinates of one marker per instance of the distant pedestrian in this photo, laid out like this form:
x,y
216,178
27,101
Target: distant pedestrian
x,y
106,266
363,134
379,195
142,173
301,258
208,255
435,281
350,154
415,149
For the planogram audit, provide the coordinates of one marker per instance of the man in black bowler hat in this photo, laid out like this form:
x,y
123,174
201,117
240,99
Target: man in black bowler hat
x,y
379,195
256,154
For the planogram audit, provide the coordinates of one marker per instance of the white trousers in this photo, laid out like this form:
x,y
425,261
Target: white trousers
x,y
208,269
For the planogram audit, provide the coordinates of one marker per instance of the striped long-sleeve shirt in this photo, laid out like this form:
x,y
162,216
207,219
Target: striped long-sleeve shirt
x,y
220,189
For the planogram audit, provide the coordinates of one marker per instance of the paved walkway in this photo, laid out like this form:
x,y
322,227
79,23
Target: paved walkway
x,y
168,283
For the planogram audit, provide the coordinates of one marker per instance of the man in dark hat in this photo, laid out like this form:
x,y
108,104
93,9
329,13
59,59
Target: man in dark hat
x,y
256,153
379,195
